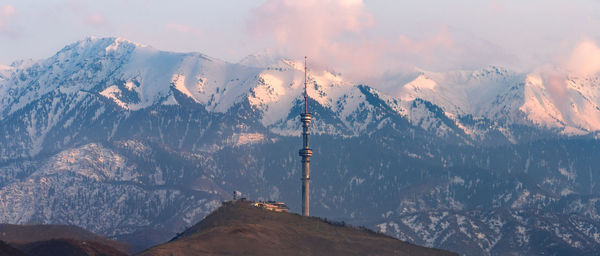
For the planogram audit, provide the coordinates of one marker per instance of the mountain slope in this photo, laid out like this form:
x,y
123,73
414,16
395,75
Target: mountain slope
x,y
67,247
7,250
237,228
139,144
26,235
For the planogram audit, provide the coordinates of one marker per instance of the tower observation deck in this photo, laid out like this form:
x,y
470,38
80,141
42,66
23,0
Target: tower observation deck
x,y
305,152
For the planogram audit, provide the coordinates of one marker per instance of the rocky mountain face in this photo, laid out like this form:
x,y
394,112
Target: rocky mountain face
x,y
138,144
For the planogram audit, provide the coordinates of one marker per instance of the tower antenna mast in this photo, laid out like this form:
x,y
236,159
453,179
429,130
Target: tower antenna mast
x,y
305,93
305,152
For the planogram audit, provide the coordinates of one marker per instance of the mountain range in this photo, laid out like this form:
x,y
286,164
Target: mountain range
x,y
137,144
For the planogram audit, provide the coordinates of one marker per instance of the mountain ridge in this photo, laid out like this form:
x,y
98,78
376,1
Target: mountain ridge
x,y
153,141
141,87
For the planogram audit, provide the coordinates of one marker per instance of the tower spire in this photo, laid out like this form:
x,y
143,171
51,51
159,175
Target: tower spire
x,y
305,93
305,152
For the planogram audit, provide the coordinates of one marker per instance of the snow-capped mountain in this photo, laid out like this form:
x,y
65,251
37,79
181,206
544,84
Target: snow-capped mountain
x,y
568,104
137,143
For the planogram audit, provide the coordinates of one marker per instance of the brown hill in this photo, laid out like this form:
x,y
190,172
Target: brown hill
x,y
238,228
144,239
21,236
7,250
68,247
34,233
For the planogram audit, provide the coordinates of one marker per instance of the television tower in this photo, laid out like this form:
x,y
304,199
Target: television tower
x,y
305,152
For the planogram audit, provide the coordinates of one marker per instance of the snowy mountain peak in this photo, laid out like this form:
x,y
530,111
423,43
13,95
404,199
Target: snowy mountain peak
x,y
98,45
263,59
5,71
21,64
109,43
5,68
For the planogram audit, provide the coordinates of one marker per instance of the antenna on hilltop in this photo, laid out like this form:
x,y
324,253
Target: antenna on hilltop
x,y
305,93
305,152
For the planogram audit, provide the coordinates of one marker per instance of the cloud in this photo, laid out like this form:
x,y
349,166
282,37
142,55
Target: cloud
x,y
178,28
345,35
184,29
328,31
496,7
584,60
555,83
6,12
95,19
309,23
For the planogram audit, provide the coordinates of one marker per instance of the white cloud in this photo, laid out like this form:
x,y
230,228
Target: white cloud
x,y
319,29
345,35
184,29
6,12
584,60
95,19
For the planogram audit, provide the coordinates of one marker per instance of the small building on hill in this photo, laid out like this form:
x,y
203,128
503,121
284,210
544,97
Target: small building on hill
x,y
272,206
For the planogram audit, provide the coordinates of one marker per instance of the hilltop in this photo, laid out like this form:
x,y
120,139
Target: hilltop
x,y
238,228
25,234
7,250
68,247
58,240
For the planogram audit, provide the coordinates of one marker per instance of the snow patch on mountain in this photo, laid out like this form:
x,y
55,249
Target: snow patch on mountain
x,y
114,93
5,70
239,139
538,105
179,82
92,161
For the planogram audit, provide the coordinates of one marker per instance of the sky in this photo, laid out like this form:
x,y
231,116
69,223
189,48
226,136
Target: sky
x,y
360,38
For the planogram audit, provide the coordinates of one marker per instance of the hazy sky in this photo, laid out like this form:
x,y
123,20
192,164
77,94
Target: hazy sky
x,y
354,36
